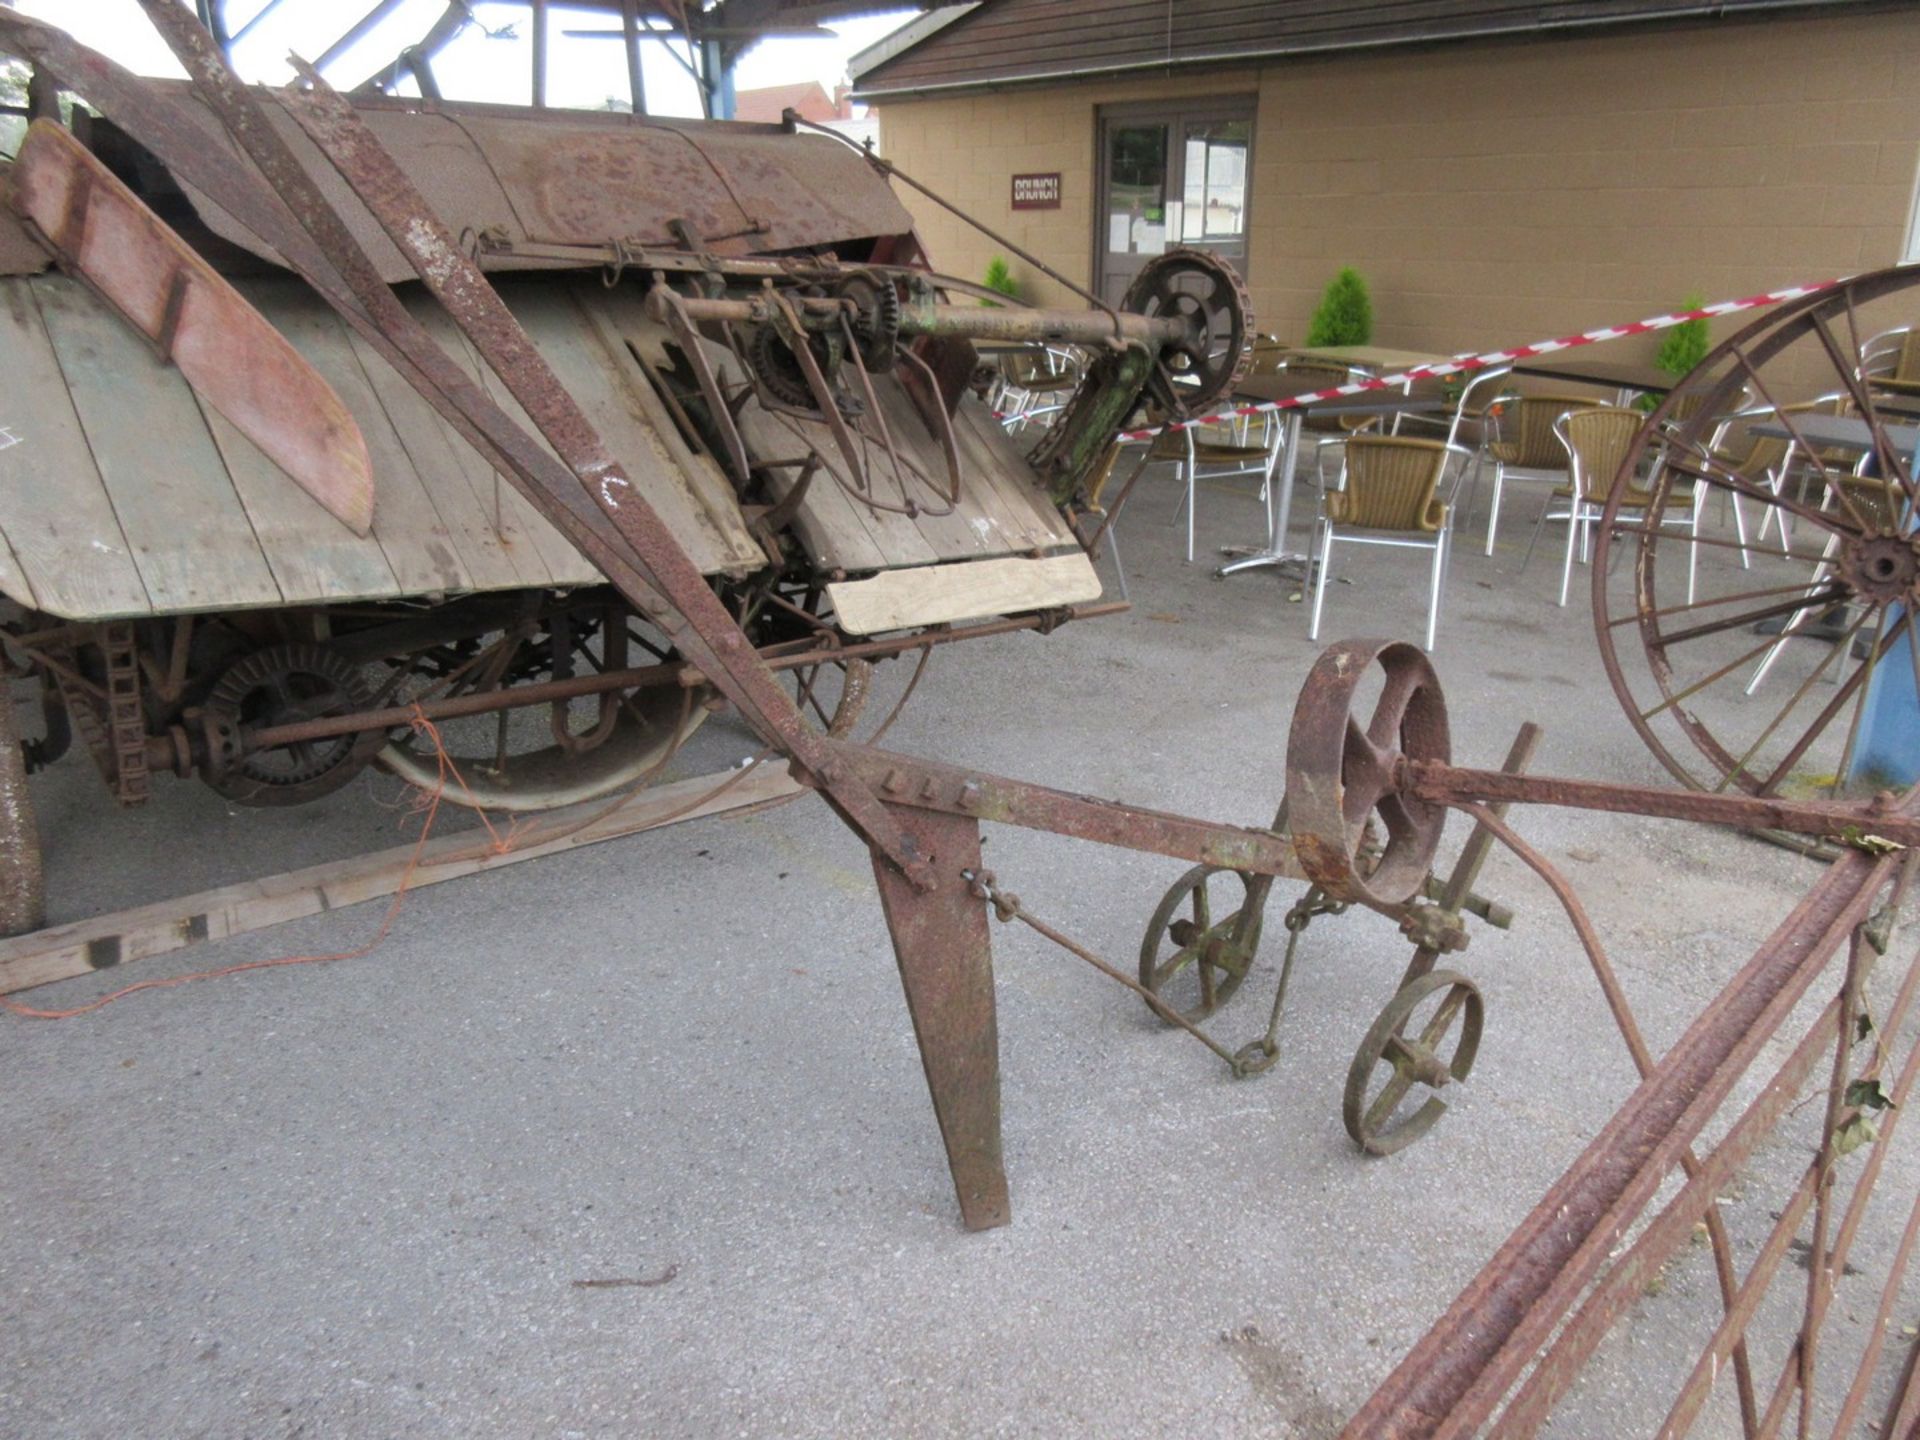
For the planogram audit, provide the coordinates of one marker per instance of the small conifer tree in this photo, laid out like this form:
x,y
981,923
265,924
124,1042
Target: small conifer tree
x,y
1686,344
1000,278
1345,316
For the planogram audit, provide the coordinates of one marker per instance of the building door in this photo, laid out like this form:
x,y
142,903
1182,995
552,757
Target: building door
x,y
1171,175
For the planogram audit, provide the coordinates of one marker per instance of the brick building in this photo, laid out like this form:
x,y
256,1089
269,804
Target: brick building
x,y
1498,171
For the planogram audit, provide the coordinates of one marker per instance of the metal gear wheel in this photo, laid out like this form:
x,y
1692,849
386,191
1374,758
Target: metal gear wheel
x,y
280,685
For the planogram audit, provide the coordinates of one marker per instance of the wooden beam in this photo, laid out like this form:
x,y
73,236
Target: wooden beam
x,y
62,952
966,590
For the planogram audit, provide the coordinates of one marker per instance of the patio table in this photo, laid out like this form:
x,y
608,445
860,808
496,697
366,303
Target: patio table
x,y
1279,387
1622,375
1838,432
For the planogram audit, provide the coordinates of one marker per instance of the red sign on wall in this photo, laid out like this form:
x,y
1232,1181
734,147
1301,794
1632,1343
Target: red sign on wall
x,y
1037,192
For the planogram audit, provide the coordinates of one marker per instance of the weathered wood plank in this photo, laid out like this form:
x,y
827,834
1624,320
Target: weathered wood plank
x,y
62,952
996,456
524,532
420,547
615,316
67,553
965,590
312,555
182,518
427,441
580,362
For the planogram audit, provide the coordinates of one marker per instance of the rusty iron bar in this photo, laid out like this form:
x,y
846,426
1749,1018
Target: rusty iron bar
x,y
954,790
1452,1380
1623,1284
1443,784
668,673
975,322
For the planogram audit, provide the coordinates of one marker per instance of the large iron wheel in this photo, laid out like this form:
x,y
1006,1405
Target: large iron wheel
x,y
1760,634
546,755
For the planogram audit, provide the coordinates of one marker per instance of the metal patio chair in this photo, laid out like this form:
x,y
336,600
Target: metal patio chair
x,y
1891,361
1596,441
1529,444
1392,497
1473,425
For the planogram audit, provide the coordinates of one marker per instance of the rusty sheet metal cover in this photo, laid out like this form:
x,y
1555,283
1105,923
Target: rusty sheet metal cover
x,y
535,177
235,361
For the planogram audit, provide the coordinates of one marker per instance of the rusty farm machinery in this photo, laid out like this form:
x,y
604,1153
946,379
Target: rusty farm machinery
x,y
719,381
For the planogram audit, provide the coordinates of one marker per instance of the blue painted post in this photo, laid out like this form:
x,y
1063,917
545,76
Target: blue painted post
x,y
1887,753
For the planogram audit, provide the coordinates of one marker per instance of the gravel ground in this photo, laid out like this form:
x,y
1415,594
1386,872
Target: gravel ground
x,y
356,1199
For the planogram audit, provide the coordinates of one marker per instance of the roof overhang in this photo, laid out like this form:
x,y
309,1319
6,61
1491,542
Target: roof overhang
x,y
1530,21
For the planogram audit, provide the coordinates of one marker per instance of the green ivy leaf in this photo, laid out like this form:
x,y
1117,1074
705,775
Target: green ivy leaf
x,y
1862,1026
1867,1095
1851,1136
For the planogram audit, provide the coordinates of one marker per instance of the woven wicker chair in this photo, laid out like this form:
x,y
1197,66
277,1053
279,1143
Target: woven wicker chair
x,y
1528,443
1596,441
1891,361
1392,497
1474,423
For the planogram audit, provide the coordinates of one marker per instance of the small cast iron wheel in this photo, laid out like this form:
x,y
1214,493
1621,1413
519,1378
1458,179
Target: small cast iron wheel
x,y
1403,1058
1207,295
1193,961
284,685
1341,773
1768,573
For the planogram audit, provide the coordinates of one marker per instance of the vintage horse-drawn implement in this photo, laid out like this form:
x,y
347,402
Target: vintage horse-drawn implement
x,y
773,431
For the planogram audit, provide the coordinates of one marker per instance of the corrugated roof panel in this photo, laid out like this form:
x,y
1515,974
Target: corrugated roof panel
x,y
1013,40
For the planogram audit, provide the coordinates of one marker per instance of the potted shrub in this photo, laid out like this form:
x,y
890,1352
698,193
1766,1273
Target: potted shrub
x,y
1345,316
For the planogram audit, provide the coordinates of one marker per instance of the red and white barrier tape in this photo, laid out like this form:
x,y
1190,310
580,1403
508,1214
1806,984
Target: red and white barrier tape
x,y
1461,364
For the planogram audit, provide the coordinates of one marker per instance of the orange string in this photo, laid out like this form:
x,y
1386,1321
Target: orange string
x,y
428,805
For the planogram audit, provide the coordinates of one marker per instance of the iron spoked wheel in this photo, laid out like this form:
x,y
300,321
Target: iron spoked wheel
x,y
1745,654
1208,296
1194,962
547,755
1343,774
1401,1064
286,684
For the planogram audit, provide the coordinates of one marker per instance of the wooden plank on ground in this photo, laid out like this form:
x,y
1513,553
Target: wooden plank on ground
x,y
182,518
968,590
62,952
73,559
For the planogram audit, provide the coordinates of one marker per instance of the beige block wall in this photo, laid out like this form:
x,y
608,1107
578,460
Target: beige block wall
x,y
1493,193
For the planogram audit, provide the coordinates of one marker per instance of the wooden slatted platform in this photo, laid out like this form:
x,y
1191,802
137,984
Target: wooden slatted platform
x,y
123,496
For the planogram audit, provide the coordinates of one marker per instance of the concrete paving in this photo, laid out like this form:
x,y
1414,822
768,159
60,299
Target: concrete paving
x,y
356,1199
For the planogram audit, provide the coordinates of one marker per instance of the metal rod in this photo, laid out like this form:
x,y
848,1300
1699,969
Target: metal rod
x,y
630,31
539,22
976,322
1496,1328
672,673
357,32
894,172
1450,784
